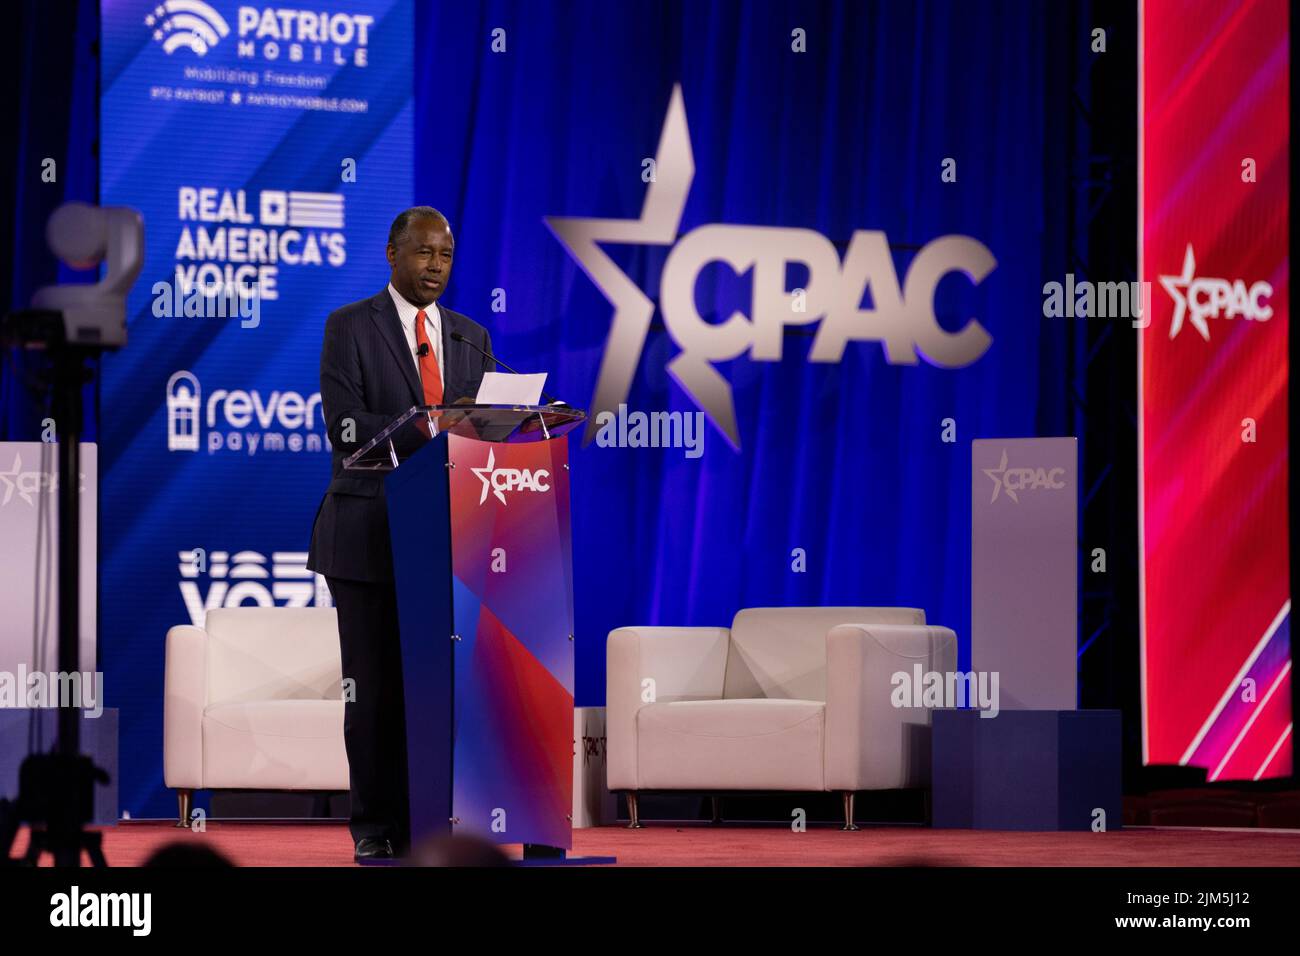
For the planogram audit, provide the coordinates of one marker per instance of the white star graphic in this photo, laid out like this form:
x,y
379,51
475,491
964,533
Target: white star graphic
x,y
998,474
10,479
660,215
1172,284
484,475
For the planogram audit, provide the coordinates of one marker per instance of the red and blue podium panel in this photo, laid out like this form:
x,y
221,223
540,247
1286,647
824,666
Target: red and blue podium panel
x,y
482,557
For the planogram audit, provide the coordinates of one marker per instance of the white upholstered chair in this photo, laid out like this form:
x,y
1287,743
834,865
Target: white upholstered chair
x,y
253,700
784,699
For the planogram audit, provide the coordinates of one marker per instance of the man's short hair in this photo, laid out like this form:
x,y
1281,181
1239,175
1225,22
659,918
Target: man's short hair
x,y
402,224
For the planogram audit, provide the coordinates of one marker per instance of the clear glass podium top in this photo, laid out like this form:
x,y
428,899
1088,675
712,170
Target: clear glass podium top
x,y
407,433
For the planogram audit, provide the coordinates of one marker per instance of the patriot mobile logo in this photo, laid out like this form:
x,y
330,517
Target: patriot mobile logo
x,y
240,239
902,320
1015,480
186,23
1198,299
500,480
297,36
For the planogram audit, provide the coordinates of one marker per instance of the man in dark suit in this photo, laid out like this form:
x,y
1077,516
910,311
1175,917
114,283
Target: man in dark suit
x,y
381,356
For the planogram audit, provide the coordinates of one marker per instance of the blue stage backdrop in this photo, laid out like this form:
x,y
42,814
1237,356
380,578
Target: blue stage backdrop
x,y
526,116
731,209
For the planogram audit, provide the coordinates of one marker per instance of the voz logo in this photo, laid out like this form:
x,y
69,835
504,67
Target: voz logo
x,y
245,580
1015,480
500,480
1200,299
902,320
186,23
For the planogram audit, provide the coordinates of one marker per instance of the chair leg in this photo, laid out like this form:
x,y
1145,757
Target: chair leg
x,y
634,822
183,800
848,811
717,809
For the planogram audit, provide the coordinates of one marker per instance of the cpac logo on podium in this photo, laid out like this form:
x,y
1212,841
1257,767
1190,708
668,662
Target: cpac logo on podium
x,y
500,480
903,321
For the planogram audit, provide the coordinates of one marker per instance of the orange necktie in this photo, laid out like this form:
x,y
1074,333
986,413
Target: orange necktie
x,y
430,378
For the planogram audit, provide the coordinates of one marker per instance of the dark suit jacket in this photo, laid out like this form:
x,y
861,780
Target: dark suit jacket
x,y
368,375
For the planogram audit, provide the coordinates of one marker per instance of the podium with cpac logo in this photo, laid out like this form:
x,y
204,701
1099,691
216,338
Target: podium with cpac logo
x,y
478,508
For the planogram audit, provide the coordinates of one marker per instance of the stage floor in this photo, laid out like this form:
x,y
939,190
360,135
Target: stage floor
x,y
258,843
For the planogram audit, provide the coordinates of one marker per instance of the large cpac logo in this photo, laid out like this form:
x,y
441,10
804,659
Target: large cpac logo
x,y
902,320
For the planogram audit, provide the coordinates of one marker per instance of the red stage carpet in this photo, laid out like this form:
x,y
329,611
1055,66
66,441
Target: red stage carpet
x,y
665,844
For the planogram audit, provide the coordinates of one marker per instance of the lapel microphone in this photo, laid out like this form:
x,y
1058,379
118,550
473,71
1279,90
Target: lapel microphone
x,y
423,350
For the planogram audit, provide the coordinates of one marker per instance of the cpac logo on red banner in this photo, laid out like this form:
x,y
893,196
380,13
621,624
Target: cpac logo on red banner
x,y
901,319
1198,299
500,480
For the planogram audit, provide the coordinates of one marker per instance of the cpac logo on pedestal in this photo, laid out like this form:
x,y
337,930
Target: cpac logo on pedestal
x,y
500,480
902,320
29,483
1015,480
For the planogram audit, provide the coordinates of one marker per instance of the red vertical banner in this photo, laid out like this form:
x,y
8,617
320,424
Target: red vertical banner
x,y
1212,379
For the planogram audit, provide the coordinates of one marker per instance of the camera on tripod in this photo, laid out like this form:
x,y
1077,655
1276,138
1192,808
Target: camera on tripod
x,y
73,323
84,315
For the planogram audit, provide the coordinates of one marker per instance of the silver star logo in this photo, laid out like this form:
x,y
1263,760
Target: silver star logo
x,y
10,479
1172,284
998,476
660,215
484,475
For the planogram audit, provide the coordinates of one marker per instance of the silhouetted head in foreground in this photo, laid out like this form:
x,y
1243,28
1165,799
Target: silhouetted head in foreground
x,y
458,851
188,856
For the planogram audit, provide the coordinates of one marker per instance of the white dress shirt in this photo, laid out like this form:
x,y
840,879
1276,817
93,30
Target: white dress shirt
x,y
432,326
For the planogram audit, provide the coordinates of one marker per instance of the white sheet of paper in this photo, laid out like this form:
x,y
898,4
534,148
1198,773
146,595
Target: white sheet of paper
x,y
501,388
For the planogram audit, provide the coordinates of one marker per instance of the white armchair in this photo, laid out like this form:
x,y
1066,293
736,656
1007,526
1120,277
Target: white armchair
x,y
784,699
253,700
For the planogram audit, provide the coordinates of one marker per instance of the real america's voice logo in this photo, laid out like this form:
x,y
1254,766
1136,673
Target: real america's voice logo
x,y
273,33
243,421
240,238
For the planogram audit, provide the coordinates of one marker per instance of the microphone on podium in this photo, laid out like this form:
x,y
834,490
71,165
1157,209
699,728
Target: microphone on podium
x,y
457,337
